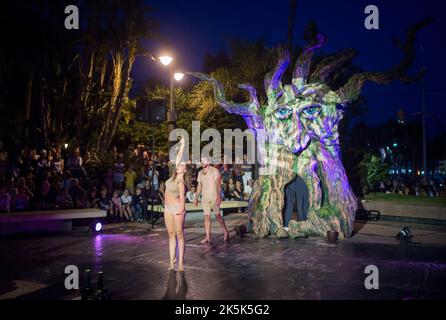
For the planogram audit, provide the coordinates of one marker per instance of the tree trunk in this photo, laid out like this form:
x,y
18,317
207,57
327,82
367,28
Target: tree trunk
x,y
332,203
118,61
28,101
123,96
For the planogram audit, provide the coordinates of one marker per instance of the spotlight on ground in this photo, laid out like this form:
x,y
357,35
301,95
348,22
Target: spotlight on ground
x,y
98,226
404,236
95,227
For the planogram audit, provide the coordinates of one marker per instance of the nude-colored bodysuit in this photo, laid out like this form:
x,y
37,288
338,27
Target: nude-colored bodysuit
x,y
172,196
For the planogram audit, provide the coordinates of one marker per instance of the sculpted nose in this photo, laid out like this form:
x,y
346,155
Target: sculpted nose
x,y
297,146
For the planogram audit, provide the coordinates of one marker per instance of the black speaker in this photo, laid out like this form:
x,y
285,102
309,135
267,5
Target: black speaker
x,y
151,110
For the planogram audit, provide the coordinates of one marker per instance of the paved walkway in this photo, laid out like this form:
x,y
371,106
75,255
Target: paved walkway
x,y
134,261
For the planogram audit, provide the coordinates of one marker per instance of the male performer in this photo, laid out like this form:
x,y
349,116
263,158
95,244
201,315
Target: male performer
x,y
209,185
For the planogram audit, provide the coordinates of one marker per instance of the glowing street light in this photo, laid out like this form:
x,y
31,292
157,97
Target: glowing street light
x,y
178,76
166,60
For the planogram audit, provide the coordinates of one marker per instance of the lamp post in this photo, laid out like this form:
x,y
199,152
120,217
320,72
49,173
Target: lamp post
x,y
178,76
171,114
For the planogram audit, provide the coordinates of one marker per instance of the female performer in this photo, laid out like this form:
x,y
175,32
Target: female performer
x,y
174,212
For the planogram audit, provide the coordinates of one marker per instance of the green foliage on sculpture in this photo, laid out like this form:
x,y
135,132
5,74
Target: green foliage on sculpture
x,y
298,130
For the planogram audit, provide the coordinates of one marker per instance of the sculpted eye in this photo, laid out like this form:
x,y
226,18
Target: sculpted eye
x,y
311,110
283,112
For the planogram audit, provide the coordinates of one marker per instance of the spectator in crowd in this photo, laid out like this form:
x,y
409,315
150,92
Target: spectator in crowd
x,y
225,173
130,179
21,201
126,201
117,210
231,189
247,170
191,194
43,163
92,197
248,189
237,171
108,179
153,175
57,163
63,200
238,191
3,161
45,187
224,191
5,200
163,170
118,173
137,205
78,194
75,164
103,202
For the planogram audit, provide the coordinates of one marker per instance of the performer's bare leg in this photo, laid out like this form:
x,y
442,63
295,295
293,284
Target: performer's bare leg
x,y
179,232
220,219
170,226
207,227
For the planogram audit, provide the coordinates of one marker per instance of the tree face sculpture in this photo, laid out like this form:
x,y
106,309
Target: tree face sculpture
x,y
299,127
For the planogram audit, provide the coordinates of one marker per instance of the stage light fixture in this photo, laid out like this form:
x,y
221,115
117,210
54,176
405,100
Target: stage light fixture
x,y
98,226
405,235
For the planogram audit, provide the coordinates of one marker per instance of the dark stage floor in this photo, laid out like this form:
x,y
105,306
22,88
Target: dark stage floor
x,y
134,261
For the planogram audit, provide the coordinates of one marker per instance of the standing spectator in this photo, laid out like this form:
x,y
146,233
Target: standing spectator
x,y
43,164
126,201
75,163
237,172
153,175
118,173
130,179
57,163
225,173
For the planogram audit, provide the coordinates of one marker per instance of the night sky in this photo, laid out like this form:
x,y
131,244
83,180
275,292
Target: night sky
x,y
193,28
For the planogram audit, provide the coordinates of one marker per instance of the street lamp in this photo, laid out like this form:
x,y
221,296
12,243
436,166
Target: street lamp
x,y
166,60
178,76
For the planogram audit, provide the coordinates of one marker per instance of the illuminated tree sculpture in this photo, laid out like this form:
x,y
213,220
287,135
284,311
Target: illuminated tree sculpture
x,y
298,130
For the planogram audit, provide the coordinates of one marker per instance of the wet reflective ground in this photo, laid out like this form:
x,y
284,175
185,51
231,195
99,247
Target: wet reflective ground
x,y
134,261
